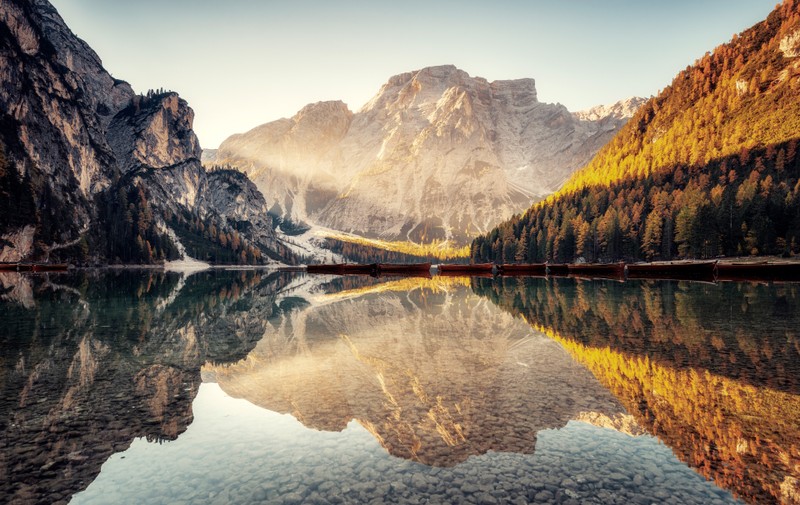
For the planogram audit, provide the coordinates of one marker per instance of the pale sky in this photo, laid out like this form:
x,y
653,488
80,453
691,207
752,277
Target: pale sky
x,y
241,63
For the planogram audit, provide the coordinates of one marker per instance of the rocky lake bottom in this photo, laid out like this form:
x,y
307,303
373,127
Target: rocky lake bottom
x,y
235,452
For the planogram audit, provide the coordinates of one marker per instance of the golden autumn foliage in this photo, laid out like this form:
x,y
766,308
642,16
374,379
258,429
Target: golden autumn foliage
x,y
436,284
441,250
708,167
742,95
745,438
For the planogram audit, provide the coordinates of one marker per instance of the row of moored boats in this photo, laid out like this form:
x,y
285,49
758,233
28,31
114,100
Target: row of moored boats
x,y
33,267
679,270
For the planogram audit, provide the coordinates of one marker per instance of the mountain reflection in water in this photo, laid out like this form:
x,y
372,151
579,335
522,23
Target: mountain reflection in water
x,y
88,362
444,389
433,371
712,370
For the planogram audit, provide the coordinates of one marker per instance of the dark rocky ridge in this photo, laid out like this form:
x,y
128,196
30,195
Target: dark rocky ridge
x,y
78,143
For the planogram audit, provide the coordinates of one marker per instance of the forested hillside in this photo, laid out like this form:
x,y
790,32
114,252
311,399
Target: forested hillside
x,y
706,168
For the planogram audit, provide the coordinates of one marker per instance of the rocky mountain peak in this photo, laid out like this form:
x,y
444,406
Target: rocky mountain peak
x,y
436,154
321,110
420,88
327,119
154,130
623,110
427,74
417,88
443,75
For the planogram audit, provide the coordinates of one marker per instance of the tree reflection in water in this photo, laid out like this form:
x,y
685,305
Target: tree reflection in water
x,y
431,368
712,370
90,361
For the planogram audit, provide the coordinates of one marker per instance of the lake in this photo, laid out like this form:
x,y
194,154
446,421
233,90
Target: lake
x,y
225,386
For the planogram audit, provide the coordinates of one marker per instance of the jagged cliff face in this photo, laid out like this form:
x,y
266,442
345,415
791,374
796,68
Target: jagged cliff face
x,y
57,96
74,139
435,154
156,133
56,101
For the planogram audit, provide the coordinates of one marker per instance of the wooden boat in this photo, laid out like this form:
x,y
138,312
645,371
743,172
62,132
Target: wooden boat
x,y
522,269
686,270
331,268
613,270
361,269
344,269
485,275
476,268
34,267
758,271
49,267
291,268
557,269
404,269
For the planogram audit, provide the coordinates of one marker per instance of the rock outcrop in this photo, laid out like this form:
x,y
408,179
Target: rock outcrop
x,y
76,144
436,154
154,132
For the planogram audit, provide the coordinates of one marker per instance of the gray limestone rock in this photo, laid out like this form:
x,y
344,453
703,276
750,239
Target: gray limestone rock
x,y
75,138
435,154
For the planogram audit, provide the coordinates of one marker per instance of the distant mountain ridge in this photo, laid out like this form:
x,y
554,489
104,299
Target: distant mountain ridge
x,y
91,172
435,155
623,110
709,167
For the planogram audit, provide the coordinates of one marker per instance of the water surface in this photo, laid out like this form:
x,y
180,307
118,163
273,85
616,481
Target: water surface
x,y
257,387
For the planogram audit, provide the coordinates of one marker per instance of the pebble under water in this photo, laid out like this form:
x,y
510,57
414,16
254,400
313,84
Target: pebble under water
x,y
235,452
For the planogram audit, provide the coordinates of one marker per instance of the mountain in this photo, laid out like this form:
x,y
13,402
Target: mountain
x,y
436,154
91,172
620,111
709,167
